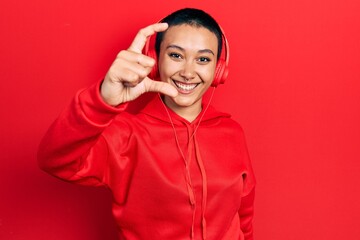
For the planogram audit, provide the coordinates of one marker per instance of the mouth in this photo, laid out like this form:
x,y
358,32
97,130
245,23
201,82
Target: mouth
x,y
185,87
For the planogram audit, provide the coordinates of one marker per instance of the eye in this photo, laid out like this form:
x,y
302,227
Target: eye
x,y
204,59
175,55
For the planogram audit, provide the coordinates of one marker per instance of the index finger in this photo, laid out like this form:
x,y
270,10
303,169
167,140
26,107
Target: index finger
x,y
140,39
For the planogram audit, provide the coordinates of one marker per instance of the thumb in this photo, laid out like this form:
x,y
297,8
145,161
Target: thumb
x,y
161,87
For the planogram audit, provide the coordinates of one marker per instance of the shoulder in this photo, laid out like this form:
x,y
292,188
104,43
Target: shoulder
x,y
224,119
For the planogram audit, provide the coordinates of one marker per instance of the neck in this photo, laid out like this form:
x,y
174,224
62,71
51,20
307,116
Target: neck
x,y
189,113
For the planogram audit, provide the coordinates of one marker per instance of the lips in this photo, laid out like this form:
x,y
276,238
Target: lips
x,y
185,87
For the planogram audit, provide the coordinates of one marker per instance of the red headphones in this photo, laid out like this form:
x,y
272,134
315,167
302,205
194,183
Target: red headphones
x,y
221,70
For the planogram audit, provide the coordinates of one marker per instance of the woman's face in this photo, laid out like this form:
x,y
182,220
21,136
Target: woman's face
x,y
187,60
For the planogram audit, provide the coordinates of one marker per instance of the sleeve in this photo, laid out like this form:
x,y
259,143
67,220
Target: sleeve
x,y
246,211
246,214
73,149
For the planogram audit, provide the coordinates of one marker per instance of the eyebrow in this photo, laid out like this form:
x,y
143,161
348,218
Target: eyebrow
x,y
182,49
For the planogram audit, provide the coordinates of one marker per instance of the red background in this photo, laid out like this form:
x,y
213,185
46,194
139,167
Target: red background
x,y
294,86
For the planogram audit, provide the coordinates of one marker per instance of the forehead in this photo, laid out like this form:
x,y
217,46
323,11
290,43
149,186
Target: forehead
x,y
190,37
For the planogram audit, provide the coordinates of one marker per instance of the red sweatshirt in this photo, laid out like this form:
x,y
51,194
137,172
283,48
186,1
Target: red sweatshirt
x,y
166,182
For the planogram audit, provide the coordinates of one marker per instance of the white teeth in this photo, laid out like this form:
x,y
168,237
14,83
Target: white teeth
x,y
185,87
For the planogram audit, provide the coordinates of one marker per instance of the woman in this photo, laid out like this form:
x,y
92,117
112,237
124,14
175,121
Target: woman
x,y
178,169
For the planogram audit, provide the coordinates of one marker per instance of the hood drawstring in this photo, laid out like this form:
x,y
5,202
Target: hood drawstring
x,y
189,185
204,189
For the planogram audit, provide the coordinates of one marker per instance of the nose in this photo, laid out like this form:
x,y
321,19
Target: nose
x,y
188,71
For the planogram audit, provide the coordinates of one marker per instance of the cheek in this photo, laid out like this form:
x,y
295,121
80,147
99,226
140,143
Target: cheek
x,y
168,68
207,73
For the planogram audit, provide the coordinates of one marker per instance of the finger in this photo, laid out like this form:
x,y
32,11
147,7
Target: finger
x,y
123,70
142,59
140,39
130,77
161,87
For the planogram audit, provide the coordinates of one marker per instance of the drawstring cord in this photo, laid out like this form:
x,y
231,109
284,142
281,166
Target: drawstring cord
x,y
201,166
204,179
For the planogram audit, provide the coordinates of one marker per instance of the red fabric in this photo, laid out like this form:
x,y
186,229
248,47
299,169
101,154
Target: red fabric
x,y
137,158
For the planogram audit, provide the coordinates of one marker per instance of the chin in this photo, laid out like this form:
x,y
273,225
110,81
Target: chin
x,y
184,101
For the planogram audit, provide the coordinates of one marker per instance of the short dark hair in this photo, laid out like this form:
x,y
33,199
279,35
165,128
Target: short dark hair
x,y
193,17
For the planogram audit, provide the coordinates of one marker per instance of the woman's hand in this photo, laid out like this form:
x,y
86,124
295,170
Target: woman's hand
x,y
127,77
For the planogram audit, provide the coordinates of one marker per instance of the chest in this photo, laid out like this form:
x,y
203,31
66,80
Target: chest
x,y
170,161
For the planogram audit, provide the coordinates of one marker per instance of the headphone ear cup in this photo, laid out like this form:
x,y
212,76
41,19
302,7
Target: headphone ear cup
x,y
154,74
221,73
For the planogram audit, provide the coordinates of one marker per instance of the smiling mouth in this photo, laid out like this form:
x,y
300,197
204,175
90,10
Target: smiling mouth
x,y
185,87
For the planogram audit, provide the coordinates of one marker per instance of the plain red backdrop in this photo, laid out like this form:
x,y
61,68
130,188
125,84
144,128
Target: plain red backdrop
x,y
294,86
